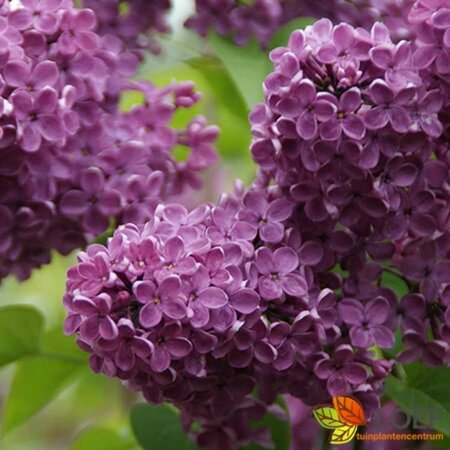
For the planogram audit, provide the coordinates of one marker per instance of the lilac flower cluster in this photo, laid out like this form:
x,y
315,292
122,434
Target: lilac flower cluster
x,y
286,288
71,160
354,133
262,18
137,21
134,21
199,308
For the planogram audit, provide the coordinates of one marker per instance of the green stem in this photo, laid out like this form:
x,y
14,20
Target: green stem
x,y
399,372
188,47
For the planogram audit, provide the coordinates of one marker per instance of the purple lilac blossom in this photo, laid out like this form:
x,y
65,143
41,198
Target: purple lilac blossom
x,y
261,19
72,161
283,287
354,131
184,314
133,21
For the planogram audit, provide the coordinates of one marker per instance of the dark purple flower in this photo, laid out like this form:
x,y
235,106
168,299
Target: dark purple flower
x,y
167,345
38,14
267,216
425,114
97,320
396,62
426,267
308,107
341,371
18,74
175,260
38,118
419,347
158,300
346,118
202,297
366,322
389,108
77,32
279,274
95,203
130,347
93,274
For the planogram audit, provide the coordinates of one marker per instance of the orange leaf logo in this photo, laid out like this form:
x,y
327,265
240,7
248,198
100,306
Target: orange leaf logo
x,y
343,418
349,410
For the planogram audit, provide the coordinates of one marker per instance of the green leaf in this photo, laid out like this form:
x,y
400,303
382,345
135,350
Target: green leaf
x,y
221,83
101,439
394,282
40,378
432,381
174,50
159,428
248,66
425,394
327,417
442,444
20,332
56,343
36,382
281,37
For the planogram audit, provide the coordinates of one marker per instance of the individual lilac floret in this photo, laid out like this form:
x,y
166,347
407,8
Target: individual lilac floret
x,y
341,371
366,322
277,273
